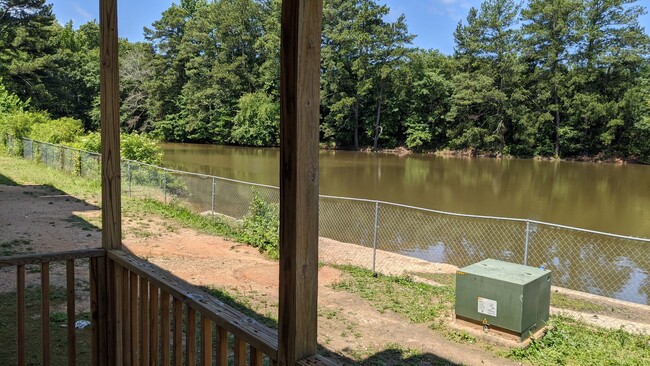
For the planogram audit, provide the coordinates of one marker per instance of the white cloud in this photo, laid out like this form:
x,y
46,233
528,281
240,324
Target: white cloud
x,y
83,13
454,9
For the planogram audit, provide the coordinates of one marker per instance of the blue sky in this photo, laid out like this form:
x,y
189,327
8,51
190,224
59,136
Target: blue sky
x,y
433,21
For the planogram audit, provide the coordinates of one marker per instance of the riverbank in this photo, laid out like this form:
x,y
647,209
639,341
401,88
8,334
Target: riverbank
x,y
403,151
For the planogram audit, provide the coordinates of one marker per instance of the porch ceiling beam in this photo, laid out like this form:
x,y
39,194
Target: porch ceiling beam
x,y
300,104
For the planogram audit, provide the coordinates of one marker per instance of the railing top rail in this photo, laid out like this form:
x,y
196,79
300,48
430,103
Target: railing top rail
x,y
10,261
247,329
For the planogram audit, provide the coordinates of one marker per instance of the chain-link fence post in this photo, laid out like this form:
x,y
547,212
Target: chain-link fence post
x,y
81,164
526,243
212,206
128,172
374,240
165,186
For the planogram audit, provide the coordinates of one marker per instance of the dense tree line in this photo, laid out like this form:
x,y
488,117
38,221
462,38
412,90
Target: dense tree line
x,y
544,77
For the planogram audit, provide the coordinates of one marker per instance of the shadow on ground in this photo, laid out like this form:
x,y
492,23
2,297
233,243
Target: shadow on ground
x,y
4,180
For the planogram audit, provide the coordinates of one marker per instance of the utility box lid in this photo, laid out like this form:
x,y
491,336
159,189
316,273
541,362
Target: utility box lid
x,y
505,271
506,296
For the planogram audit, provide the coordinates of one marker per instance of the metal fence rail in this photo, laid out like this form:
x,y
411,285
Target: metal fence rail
x,y
369,233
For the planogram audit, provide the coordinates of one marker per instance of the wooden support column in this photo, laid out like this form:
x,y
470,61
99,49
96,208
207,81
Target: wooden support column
x,y
300,104
110,126
109,89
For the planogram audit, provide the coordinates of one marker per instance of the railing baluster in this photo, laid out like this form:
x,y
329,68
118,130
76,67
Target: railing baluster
x,y
164,326
222,346
133,313
118,273
45,313
206,342
20,316
240,352
191,337
97,325
257,357
126,318
144,321
153,322
114,316
178,332
72,341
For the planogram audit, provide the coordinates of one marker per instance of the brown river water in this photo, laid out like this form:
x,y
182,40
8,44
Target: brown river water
x,y
601,197
596,196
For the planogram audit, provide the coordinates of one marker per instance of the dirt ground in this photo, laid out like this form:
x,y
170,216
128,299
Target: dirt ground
x,y
37,219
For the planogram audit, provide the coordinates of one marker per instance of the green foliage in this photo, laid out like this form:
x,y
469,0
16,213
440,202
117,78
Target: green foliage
x,y
10,103
261,226
91,142
59,131
544,77
140,148
572,343
418,302
20,124
257,122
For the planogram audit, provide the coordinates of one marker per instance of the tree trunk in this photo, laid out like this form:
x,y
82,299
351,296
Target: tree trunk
x,y
557,122
356,125
378,119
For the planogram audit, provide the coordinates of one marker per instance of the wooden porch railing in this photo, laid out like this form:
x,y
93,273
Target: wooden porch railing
x,y
158,323
159,318
44,260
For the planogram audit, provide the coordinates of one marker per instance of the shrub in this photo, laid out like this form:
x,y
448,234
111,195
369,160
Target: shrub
x,y
140,148
59,131
261,226
132,147
19,125
91,142
10,103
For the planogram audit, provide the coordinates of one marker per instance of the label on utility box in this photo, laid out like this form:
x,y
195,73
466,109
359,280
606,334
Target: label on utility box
x,y
487,306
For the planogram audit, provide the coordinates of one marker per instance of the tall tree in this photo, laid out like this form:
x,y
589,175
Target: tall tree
x,y
360,52
488,89
609,60
26,49
550,35
169,65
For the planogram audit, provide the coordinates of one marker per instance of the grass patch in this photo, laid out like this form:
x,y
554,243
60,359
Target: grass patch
x,y
567,302
81,223
573,343
58,332
24,171
460,337
15,247
445,279
417,302
134,207
242,303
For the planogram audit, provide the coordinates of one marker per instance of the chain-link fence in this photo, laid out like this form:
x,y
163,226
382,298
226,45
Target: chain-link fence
x,y
393,238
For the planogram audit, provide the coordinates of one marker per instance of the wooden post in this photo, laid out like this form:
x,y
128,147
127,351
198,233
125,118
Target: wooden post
x,y
110,127
109,90
300,104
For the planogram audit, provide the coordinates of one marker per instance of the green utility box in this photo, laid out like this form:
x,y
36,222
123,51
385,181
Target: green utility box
x,y
508,297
